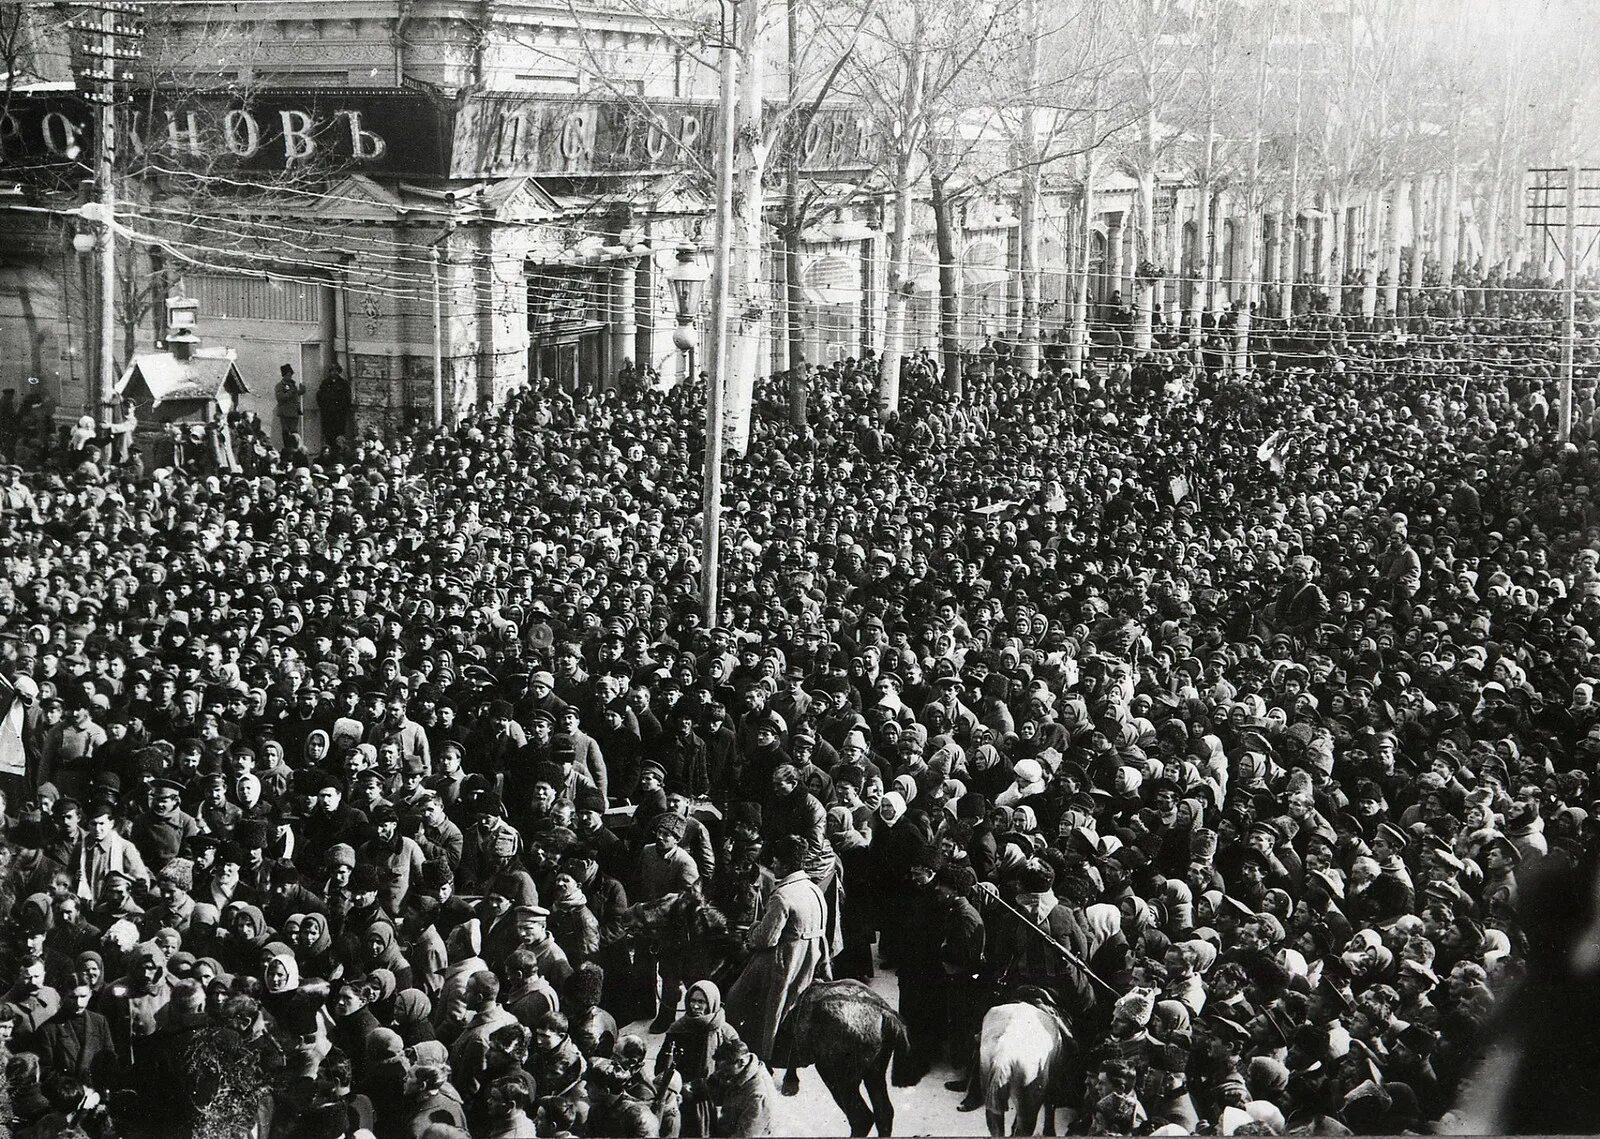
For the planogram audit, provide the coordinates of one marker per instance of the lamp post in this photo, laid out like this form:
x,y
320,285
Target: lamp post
x,y
687,279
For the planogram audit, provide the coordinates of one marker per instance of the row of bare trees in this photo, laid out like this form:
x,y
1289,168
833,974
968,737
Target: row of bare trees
x,y
1293,111
1288,111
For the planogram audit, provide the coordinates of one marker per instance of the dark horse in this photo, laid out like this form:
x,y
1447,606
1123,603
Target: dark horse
x,y
850,1033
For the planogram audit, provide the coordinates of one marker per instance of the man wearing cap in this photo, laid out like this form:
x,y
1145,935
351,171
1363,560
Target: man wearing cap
x,y
397,726
331,821
160,831
1018,955
434,832
572,745
789,945
533,934
102,851
397,858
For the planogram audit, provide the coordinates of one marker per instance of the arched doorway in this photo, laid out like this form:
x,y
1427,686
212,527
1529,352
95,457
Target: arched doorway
x,y
831,284
983,290
1099,288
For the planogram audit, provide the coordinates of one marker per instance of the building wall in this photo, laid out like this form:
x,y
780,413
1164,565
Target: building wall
x,y
501,45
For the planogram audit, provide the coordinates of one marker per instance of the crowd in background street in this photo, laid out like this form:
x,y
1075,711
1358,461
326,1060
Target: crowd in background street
x,y
401,789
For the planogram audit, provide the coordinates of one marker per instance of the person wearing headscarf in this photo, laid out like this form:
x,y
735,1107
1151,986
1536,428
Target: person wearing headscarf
x,y
1109,956
383,1079
314,952
381,950
280,981
413,1014
248,936
900,841
689,1049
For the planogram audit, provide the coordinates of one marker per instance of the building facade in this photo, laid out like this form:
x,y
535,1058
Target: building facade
x,y
509,181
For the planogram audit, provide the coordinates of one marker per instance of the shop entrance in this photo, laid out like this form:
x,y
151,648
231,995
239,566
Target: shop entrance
x,y
572,360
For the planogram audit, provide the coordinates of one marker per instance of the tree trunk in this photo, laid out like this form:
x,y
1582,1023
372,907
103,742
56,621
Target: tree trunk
x,y
1391,248
899,299
1372,252
794,325
793,282
1078,352
944,235
1028,236
748,321
1417,250
1144,242
1450,230
1332,259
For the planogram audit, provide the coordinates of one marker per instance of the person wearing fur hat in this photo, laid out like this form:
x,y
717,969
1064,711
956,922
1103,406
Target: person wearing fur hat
x,y
1019,954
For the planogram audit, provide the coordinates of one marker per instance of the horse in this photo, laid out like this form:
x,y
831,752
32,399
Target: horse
x,y
851,1034
1024,1052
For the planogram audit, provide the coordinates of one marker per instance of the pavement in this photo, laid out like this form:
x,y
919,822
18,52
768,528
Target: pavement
x,y
926,1109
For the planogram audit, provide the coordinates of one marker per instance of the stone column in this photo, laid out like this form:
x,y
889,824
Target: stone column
x,y
623,327
645,317
1114,258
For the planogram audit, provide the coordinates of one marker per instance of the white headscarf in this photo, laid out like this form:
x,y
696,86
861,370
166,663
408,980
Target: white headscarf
x,y
1104,921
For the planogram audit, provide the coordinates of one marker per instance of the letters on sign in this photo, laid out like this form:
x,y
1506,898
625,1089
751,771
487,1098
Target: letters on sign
x,y
404,133
275,131
502,136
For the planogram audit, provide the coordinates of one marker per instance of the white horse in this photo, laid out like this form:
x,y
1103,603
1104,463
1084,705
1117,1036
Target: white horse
x,y
1021,1052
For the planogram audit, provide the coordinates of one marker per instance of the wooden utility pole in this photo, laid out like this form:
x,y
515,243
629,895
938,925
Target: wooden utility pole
x,y
1569,312
711,489
1028,212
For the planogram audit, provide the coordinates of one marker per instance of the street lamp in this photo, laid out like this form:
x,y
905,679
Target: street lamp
x,y
687,279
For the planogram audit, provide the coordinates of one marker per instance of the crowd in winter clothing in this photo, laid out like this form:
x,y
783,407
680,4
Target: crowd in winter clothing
x,y
405,791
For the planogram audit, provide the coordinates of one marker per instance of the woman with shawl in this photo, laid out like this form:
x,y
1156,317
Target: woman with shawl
x,y
689,1049
412,1017
317,746
249,935
381,992
313,947
900,841
89,968
1110,959
280,975
381,950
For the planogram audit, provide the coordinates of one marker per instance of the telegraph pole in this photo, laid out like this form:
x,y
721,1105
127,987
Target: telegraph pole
x,y
106,129
711,491
1569,331
1543,192
98,72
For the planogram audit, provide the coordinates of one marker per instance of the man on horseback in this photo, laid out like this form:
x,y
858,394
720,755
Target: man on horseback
x,y
1020,956
788,946
1029,964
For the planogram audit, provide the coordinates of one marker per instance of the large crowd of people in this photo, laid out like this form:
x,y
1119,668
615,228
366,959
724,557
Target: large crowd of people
x,y
403,790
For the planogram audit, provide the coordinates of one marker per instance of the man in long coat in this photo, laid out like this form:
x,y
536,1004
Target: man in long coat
x,y
788,946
